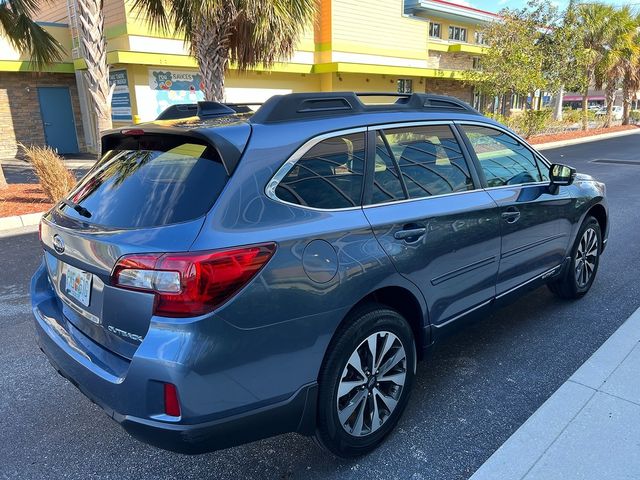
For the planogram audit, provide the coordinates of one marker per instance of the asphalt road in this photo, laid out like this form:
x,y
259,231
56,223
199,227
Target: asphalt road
x,y
473,392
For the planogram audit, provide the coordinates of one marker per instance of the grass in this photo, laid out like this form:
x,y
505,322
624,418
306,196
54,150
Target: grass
x,y
56,180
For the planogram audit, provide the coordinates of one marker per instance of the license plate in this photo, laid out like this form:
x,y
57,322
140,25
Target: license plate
x,y
78,284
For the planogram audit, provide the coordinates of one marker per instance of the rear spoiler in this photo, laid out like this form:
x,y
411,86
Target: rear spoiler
x,y
228,141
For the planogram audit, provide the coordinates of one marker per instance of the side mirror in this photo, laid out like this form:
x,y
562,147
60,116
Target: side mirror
x,y
561,175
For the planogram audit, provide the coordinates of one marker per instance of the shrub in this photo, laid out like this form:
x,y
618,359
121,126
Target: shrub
x,y
528,123
533,122
634,115
55,178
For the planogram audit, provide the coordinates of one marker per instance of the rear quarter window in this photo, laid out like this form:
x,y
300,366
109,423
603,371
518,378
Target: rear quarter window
x,y
329,176
148,182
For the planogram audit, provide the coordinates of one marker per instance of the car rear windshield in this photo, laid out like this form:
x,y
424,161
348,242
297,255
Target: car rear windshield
x,y
149,181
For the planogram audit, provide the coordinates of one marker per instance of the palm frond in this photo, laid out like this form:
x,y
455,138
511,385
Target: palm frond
x,y
26,35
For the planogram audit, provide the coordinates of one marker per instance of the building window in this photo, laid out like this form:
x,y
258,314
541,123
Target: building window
x,y
480,40
405,85
434,30
458,33
476,63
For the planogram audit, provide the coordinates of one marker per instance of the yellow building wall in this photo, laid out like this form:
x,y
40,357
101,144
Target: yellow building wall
x,y
56,11
376,28
53,11
9,54
444,30
245,87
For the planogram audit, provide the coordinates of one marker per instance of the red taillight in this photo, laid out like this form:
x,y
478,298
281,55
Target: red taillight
x,y
132,131
192,283
171,404
40,230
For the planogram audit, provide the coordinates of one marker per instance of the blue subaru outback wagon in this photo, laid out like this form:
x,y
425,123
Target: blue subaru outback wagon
x,y
233,275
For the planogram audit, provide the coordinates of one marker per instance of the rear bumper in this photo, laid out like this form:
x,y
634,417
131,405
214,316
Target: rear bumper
x,y
295,414
130,391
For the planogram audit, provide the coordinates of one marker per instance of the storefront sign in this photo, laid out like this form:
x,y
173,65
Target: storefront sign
x,y
171,87
121,100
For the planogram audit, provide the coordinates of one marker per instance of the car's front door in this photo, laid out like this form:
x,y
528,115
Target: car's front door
x,y
430,215
534,218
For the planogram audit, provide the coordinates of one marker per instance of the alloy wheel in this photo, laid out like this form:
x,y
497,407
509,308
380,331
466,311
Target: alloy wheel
x,y
586,257
371,383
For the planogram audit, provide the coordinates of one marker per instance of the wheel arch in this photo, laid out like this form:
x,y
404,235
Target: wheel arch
x,y
600,214
406,303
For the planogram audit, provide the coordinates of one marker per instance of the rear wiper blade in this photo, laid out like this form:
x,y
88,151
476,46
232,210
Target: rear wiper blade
x,y
78,208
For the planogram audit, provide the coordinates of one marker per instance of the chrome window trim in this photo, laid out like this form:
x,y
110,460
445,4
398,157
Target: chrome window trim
x,y
407,200
516,185
270,189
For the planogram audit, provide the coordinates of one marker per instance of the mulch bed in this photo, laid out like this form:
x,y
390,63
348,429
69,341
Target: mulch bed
x,y
556,137
21,198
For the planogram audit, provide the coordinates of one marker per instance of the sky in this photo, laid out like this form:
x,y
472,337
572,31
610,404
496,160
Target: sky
x,y
496,5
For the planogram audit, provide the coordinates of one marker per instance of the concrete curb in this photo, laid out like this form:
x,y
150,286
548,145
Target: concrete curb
x,y
592,138
531,445
19,221
12,162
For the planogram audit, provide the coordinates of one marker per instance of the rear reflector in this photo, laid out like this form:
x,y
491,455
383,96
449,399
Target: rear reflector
x,y
171,404
192,283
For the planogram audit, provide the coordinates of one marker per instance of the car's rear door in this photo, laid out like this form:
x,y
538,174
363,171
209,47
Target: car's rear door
x,y
430,215
534,219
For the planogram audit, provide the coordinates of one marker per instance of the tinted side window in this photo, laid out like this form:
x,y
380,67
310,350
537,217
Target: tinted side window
x,y
328,176
430,159
386,180
503,159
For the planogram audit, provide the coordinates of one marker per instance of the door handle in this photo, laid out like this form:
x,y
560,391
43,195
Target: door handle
x,y
410,233
47,124
511,215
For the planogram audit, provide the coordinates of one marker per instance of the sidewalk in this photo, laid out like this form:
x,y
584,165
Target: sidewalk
x,y
81,160
589,429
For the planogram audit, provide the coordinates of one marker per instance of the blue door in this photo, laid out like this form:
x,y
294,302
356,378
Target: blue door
x,y
57,119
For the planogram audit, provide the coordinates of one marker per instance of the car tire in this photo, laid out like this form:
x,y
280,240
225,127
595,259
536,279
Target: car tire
x,y
579,275
365,381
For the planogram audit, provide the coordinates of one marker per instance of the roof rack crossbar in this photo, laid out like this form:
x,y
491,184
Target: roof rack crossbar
x,y
298,106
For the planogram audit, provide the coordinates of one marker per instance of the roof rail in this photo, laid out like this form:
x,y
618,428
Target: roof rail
x,y
204,109
298,106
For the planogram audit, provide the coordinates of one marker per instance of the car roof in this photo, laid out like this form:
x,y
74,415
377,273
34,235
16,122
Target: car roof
x,y
296,107
228,126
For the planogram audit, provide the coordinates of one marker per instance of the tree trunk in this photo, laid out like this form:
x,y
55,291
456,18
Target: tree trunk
x,y
585,108
210,46
557,108
94,52
3,180
610,95
626,98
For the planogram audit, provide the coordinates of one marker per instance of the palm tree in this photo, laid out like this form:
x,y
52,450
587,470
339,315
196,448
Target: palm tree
x,y
93,49
27,36
246,33
620,50
631,72
595,30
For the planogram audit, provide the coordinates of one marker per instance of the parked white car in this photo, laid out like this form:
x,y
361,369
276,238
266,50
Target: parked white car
x,y
616,112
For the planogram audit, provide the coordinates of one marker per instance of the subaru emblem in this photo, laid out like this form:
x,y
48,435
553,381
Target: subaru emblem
x,y
58,243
